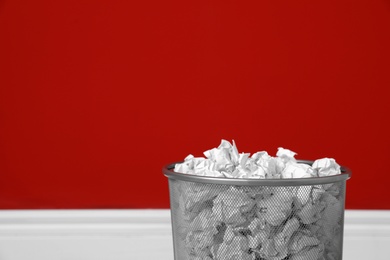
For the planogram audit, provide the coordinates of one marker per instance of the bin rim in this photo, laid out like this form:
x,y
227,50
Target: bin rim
x,y
345,175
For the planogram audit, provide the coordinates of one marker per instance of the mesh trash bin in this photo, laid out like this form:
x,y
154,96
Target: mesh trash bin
x,y
257,219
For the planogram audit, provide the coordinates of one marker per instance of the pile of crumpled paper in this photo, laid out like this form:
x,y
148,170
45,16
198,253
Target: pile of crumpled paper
x,y
226,222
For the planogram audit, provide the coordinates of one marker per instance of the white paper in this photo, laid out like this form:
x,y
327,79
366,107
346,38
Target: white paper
x,y
226,161
222,222
326,167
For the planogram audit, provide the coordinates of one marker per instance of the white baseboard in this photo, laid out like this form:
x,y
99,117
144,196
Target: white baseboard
x,y
143,235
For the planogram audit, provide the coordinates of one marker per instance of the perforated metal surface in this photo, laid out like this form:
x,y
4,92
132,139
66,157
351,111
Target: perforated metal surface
x,y
229,222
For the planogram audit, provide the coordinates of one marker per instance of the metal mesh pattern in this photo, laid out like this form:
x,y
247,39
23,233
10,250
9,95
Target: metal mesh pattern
x,y
228,222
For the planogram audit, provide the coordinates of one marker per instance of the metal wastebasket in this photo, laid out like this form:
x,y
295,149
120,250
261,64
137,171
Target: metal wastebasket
x,y
257,219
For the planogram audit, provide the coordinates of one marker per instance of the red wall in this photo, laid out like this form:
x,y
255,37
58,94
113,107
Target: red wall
x,y
96,96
